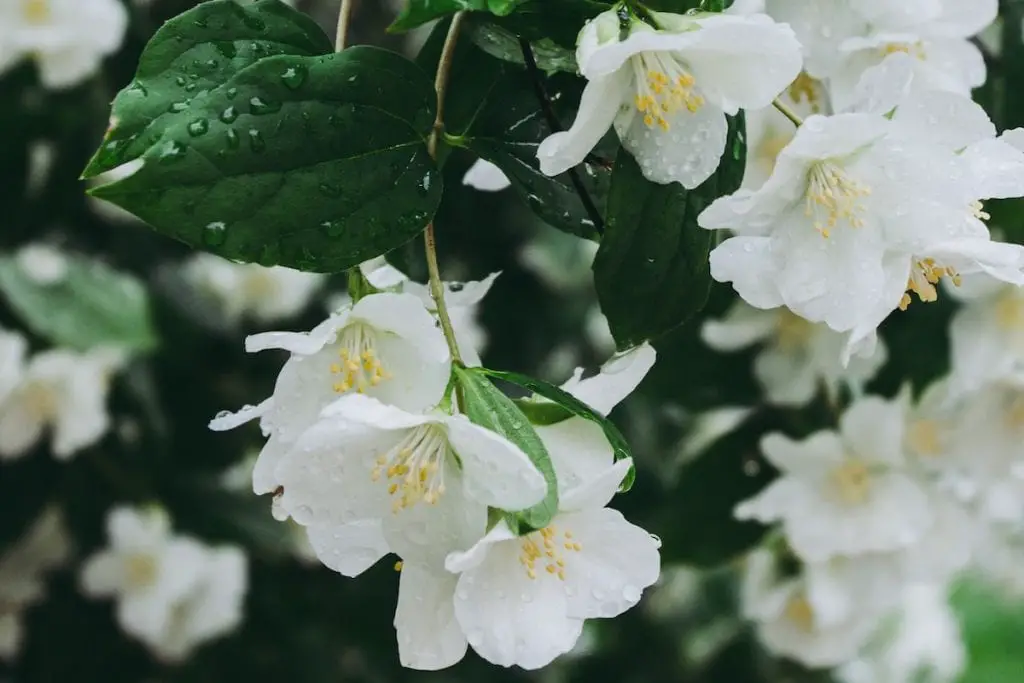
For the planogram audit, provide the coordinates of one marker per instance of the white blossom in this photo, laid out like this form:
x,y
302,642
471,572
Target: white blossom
x,y
846,492
485,176
44,264
64,392
44,547
248,289
385,346
368,478
172,591
667,89
987,334
798,357
67,39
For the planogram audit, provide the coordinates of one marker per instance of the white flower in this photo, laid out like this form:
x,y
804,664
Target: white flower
x,y
44,546
68,39
13,347
64,391
924,642
485,176
667,89
788,623
385,346
821,26
987,334
368,478
799,357
249,289
43,264
844,493
522,600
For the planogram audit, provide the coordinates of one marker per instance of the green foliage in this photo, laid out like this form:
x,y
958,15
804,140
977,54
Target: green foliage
x,y
551,23
486,406
652,271
419,12
570,406
502,42
89,306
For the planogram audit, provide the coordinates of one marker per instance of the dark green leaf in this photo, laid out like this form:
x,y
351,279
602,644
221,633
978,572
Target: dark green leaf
x,y
549,24
493,110
502,42
488,407
316,163
192,54
651,271
568,403
89,306
418,12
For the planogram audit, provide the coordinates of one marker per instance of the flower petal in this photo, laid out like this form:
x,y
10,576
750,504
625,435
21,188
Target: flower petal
x,y
485,176
429,637
742,326
579,451
750,265
618,377
228,420
995,168
598,107
303,343
349,549
873,428
405,316
617,561
597,491
495,471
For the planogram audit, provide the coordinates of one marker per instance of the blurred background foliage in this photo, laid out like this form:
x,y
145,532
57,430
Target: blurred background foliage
x,y
306,624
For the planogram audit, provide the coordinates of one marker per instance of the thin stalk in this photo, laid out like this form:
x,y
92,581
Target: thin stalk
x,y
341,34
444,67
787,112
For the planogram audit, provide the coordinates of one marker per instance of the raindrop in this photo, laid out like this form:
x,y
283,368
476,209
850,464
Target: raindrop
x,y
656,539
333,228
177,107
258,106
294,76
423,187
200,23
172,151
256,141
198,127
226,48
229,115
139,88
180,80
233,140
215,233
190,87
231,92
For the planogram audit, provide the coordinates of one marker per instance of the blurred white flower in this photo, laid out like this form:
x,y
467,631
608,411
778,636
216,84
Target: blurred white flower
x,y
485,176
172,591
987,334
769,131
667,89
44,265
61,390
385,346
13,347
44,547
251,290
846,492
798,357
67,39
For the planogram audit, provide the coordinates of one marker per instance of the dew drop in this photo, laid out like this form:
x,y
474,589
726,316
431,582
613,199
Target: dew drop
x,y
260,106
229,115
226,48
177,107
215,233
198,127
333,228
256,141
172,151
294,76
231,93
233,139
180,80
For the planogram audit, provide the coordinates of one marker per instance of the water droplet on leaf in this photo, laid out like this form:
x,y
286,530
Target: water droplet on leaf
x,y
215,233
198,127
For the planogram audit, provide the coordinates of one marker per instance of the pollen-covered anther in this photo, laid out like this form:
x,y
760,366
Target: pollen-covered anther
x,y
978,211
545,546
915,49
806,88
414,469
358,365
832,196
663,88
800,613
924,275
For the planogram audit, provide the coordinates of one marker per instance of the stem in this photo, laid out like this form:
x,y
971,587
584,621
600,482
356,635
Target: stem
x,y
341,35
444,67
555,125
787,112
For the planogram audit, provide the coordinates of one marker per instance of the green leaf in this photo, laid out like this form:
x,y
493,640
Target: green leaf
x,y
493,110
91,305
488,407
419,12
502,42
192,54
651,271
568,405
317,163
549,24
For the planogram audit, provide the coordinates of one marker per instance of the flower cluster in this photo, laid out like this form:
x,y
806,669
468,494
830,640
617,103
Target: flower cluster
x,y
368,452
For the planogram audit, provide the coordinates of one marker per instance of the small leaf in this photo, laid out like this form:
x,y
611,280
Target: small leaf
x,y
652,271
89,306
190,55
566,405
488,407
419,12
317,163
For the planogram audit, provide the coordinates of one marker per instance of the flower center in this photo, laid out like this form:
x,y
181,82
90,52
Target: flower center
x,y
140,570
546,546
360,368
913,49
40,399
415,467
924,437
800,612
806,88
1015,413
791,331
35,11
852,481
833,196
259,285
924,275
1009,309
664,87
